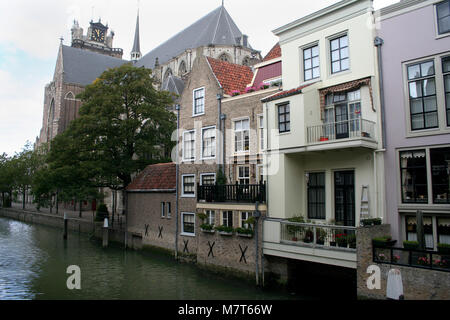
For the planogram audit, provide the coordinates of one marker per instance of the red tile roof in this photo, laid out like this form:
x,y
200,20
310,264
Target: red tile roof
x,y
284,94
155,177
231,76
274,53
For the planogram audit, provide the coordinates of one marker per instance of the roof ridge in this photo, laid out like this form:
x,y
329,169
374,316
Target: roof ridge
x,y
217,25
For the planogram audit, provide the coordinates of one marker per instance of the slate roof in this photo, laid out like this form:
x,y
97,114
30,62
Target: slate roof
x,y
173,84
137,43
274,53
83,67
217,28
157,177
231,76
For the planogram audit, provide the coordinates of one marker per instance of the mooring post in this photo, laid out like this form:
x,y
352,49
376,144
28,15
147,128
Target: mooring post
x,y
65,226
105,233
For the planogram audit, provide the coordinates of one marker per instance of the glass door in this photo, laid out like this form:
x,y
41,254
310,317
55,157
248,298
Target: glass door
x,y
341,121
344,202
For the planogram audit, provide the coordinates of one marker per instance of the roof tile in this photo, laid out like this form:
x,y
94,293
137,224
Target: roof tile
x,y
155,177
274,53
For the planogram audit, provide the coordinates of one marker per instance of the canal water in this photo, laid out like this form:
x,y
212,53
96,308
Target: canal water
x,y
34,260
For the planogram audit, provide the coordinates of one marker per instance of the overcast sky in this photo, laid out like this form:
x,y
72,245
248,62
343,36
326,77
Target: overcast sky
x,y
30,32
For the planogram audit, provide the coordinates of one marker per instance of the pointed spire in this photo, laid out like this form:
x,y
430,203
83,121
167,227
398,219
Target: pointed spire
x,y
136,52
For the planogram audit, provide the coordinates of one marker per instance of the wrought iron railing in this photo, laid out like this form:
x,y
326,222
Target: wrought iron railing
x,y
354,128
249,193
432,260
316,235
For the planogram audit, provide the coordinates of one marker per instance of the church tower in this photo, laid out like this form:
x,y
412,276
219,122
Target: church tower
x,y
136,52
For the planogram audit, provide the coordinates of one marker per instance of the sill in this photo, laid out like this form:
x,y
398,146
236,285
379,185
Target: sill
x,y
427,132
284,133
198,115
187,196
440,36
206,159
192,235
188,160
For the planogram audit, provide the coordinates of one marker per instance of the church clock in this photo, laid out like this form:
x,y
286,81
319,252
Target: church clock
x,y
98,35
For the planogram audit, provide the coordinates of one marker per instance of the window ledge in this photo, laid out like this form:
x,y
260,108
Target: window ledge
x,y
192,235
198,115
187,196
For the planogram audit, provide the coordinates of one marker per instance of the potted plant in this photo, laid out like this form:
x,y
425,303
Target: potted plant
x,y
321,235
395,258
383,242
263,86
235,93
309,236
443,248
207,228
323,139
351,239
244,232
381,257
292,229
224,230
411,245
250,89
366,222
423,261
341,240
202,216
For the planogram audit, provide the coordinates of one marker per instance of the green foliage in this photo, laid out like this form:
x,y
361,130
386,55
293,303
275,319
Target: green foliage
x,y
207,227
202,216
244,231
410,244
224,229
443,248
102,213
250,221
293,229
371,222
221,179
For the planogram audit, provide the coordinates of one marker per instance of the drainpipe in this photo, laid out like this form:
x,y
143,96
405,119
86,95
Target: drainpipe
x,y
177,108
378,43
221,155
257,215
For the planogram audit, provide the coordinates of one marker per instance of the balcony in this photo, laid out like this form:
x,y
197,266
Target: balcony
x,y
328,244
348,133
241,193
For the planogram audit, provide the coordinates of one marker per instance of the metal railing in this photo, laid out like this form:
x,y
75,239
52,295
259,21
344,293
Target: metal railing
x,y
354,128
249,193
316,235
432,260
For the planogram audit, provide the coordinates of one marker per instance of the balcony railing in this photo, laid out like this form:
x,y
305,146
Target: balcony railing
x,y
248,193
354,128
432,260
321,236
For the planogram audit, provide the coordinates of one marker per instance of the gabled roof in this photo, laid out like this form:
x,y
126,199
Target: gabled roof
x,y
173,84
83,67
155,178
274,53
231,76
216,28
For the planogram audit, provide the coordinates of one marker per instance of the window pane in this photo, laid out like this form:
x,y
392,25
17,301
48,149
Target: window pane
x,y
430,104
344,53
431,120
307,54
336,67
316,72
315,62
316,196
345,65
238,125
308,74
429,87
344,41
246,125
443,9
414,72
335,55
417,122
308,64
335,44
447,83
315,51
440,172
446,64
427,68
444,25
415,89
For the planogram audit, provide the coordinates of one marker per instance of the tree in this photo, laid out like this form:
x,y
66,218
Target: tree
x,y
6,179
123,126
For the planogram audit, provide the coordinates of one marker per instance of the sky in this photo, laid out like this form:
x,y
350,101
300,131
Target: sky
x,y
31,31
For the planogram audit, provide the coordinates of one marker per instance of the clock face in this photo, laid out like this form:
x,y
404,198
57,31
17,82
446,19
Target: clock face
x,y
98,35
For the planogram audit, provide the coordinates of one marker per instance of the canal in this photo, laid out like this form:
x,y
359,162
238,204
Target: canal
x,y
34,260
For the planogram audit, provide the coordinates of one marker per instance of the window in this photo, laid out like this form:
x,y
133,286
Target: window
x,y
443,17
316,196
224,57
163,210
244,217
211,217
440,174
261,132
188,185
227,219
188,223
208,179
244,175
446,72
411,230
343,115
189,145
339,54
242,135
284,118
443,231
169,209
414,176
199,101
311,63
209,142
422,96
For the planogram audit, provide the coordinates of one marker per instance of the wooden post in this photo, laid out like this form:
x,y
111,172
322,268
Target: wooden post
x,y
65,226
105,233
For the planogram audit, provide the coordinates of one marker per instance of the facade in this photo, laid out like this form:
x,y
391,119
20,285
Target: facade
x,y
323,134
151,207
417,103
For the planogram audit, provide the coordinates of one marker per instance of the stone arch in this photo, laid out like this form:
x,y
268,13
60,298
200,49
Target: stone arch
x,y
69,96
225,57
167,74
182,69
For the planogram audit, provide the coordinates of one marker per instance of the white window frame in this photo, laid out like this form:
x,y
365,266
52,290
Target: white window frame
x,y
248,214
203,143
329,53
207,174
163,209
238,176
193,102
169,210
183,195
235,121
223,218
211,214
183,233
261,133
303,69
184,145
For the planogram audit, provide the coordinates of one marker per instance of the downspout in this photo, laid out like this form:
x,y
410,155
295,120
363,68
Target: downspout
x,y
266,139
177,108
221,156
257,216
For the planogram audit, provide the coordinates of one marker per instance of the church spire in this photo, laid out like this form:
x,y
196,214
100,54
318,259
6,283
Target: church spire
x,y
136,52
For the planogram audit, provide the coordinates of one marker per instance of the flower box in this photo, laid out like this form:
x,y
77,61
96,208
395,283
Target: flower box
x,y
323,139
385,242
224,233
208,231
244,235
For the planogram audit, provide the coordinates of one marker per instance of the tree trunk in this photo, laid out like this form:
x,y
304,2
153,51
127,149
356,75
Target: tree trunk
x,y
57,203
81,206
23,198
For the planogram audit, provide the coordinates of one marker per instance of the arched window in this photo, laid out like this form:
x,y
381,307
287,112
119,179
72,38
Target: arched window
x,y
246,61
225,57
182,70
69,96
167,74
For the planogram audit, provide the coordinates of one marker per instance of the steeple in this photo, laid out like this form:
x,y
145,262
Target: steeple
x,y
136,52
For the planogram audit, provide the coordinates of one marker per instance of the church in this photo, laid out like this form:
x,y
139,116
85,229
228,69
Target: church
x,y
215,35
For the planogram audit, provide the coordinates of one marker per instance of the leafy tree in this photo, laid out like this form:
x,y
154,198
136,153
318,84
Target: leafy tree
x,y
124,125
6,179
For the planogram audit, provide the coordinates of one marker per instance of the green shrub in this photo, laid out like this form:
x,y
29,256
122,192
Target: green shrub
x,y
444,248
293,229
410,244
244,231
207,227
202,216
224,229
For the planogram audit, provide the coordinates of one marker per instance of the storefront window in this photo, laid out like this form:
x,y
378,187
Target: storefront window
x,y
440,173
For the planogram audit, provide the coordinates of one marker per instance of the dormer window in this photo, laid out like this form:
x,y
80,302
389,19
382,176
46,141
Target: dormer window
x,y
199,101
